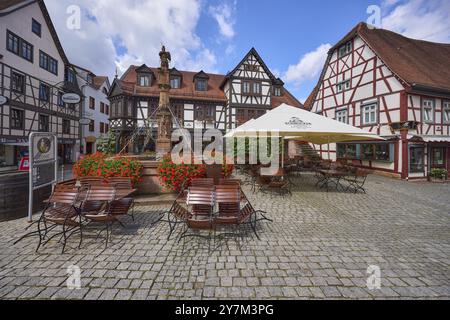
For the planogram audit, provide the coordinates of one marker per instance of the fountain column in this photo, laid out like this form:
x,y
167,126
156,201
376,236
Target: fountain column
x,y
164,116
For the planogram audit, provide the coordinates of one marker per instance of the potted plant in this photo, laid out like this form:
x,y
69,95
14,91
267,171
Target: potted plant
x,y
438,174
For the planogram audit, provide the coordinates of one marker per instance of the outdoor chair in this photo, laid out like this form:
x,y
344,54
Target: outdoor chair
x,y
202,182
250,207
230,182
97,208
123,183
60,211
201,200
177,214
89,181
228,199
357,180
122,207
230,213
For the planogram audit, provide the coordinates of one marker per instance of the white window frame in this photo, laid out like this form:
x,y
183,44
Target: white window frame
x,y
177,81
256,88
342,114
426,106
343,86
277,92
368,109
347,47
145,83
446,111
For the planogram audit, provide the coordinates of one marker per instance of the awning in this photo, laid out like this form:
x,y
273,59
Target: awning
x,y
19,144
435,138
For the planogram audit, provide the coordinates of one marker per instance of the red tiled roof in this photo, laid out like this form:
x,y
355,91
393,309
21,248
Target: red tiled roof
x,y
98,81
187,91
421,64
415,61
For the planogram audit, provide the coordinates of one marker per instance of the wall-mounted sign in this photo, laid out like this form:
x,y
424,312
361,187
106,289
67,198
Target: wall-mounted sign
x,y
71,98
3,100
85,121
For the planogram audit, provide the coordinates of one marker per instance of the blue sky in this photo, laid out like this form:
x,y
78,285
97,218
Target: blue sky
x,y
291,36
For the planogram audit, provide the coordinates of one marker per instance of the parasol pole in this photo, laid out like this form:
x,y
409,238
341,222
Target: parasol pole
x,y
328,138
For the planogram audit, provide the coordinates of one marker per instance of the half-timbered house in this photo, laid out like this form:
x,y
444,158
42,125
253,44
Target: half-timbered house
x,y
198,99
34,75
396,87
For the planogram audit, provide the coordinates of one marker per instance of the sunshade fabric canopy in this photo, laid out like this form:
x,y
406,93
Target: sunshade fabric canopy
x,y
295,123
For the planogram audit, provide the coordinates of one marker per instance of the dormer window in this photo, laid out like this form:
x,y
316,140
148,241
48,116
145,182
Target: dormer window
x,y
90,79
201,85
144,76
144,80
175,82
345,49
201,81
277,91
277,87
175,78
70,76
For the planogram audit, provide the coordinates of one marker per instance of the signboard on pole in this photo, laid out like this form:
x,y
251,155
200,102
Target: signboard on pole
x,y
43,163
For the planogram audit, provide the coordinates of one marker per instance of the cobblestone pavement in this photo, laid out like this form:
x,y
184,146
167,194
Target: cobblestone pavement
x,y
319,246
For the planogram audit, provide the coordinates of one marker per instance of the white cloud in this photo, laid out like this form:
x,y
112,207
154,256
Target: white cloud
x,y
418,19
139,26
309,66
224,14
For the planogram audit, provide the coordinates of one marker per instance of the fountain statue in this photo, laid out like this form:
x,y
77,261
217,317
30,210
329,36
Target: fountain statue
x,y
164,116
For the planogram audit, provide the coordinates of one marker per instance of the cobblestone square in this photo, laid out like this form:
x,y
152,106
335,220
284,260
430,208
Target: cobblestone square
x,y
320,245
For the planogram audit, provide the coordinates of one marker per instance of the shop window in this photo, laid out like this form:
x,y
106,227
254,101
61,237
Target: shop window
x,y
416,159
437,157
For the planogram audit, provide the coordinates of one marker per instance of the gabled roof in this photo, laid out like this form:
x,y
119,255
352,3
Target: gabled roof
x,y
422,65
175,72
258,58
201,75
98,81
144,69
